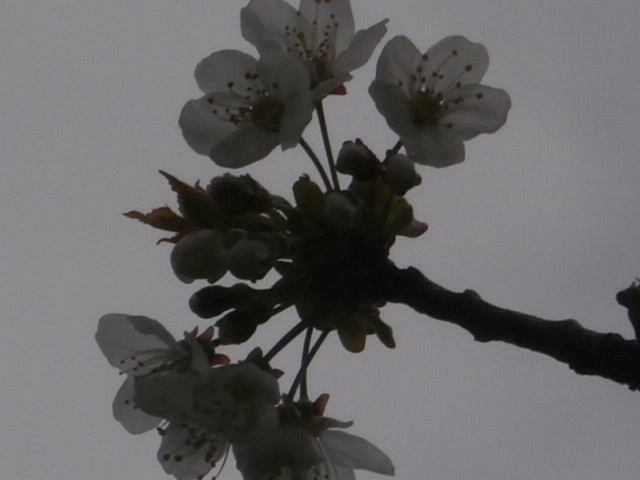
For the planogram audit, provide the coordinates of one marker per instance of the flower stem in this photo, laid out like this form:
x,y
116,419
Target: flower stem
x,y
305,353
316,161
396,148
327,145
307,361
285,340
280,308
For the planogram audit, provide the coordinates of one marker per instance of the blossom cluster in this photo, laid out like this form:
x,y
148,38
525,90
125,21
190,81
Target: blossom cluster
x,y
201,405
432,100
315,253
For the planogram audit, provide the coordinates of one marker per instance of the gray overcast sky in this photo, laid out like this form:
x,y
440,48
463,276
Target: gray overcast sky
x,y
542,217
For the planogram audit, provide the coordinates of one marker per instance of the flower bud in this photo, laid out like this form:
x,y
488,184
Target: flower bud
x,y
236,327
237,195
340,210
214,300
250,259
239,325
357,160
200,255
400,174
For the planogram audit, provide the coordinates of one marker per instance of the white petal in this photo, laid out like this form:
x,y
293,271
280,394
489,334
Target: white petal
x,y
216,71
264,22
323,470
120,336
482,110
126,411
334,16
166,396
350,451
187,452
295,118
398,62
288,82
325,87
393,103
287,446
283,75
360,49
201,128
455,59
236,401
244,146
435,146
342,473
199,358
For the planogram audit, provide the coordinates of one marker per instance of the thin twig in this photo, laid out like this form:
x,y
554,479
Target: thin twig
x,y
316,161
304,395
396,147
285,340
327,145
303,368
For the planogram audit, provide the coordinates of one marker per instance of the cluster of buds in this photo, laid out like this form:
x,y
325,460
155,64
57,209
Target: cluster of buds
x,y
231,226
236,226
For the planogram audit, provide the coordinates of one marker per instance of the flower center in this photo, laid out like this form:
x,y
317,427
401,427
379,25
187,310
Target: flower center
x,y
317,51
153,362
426,107
267,113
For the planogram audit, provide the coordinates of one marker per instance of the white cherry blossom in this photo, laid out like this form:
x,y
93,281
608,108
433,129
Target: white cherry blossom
x,y
308,448
249,108
433,101
235,402
320,33
140,346
188,451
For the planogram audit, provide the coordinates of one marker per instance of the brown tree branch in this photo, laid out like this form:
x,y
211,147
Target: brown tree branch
x,y
587,352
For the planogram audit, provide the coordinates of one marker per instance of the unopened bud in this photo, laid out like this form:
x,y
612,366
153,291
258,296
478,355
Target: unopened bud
x,y
214,300
340,210
384,333
250,259
400,174
200,255
239,325
630,299
237,195
357,160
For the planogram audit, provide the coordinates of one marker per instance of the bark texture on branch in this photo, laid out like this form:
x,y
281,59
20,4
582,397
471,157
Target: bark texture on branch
x,y
587,352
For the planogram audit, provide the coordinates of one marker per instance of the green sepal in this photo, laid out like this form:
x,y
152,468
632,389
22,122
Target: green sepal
x,y
195,204
399,216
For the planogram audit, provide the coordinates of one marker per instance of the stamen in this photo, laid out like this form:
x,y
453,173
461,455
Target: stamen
x,y
331,471
197,439
253,110
164,358
455,82
436,73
